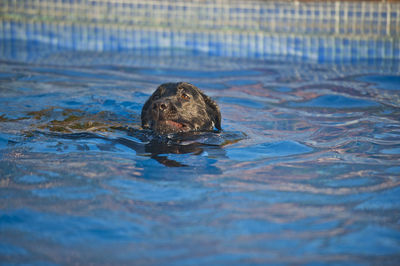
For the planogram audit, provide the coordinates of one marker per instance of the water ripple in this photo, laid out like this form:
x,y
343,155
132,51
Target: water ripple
x,y
306,167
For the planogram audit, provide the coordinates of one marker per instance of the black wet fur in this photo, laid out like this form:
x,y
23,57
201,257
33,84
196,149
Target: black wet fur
x,y
180,107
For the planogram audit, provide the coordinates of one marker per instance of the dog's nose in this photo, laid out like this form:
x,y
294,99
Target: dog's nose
x,y
161,106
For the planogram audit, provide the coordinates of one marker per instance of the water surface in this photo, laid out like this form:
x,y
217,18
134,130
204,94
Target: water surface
x,y
306,169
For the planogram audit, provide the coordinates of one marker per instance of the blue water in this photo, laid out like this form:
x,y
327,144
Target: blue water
x,y
306,170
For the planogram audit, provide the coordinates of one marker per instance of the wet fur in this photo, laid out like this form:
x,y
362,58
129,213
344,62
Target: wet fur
x,y
180,107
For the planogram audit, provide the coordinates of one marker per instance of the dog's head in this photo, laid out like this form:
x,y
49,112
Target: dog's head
x,y
180,107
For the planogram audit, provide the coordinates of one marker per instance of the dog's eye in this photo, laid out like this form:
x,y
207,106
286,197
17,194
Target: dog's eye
x,y
185,96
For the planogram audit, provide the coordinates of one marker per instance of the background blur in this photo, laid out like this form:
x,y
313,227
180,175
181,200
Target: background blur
x,y
318,30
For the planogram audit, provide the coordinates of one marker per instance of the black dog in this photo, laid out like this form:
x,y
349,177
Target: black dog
x,y
180,107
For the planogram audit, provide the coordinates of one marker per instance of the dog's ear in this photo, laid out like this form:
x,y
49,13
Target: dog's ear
x,y
212,110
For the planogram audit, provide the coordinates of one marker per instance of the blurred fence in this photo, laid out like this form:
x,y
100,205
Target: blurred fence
x,y
323,31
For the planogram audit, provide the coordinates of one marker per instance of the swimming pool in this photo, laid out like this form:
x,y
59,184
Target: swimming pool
x,y
305,171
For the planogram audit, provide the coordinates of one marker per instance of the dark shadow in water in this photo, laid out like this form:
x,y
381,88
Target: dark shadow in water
x,y
144,143
158,147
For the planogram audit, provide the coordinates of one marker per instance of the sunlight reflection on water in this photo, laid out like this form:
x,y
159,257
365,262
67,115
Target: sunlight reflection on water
x,y
307,166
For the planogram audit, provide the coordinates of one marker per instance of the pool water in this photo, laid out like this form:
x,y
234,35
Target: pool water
x,y
306,170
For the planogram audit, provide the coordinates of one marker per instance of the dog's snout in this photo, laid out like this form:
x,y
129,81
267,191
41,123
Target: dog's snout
x,y
161,106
